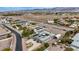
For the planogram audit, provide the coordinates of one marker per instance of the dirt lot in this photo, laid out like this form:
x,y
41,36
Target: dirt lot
x,y
42,17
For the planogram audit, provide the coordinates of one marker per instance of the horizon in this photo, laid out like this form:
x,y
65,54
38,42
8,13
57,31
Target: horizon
x,y
7,9
3,9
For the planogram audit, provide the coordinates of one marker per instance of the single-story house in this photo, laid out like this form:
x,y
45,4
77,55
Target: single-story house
x,y
75,43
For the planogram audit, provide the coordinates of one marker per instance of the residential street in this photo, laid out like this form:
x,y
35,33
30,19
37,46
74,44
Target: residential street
x,y
18,38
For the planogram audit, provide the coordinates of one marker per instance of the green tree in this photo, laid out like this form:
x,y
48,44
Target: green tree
x,y
46,45
55,20
26,32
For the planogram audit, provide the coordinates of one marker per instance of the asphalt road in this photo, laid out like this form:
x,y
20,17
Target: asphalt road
x,y
18,39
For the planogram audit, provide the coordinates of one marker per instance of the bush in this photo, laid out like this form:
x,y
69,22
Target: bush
x,y
12,14
7,49
55,20
46,45
18,25
53,44
68,49
33,23
14,26
9,35
68,41
40,49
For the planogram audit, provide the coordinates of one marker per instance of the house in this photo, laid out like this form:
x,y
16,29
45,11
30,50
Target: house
x,y
43,36
50,21
22,22
4,21
75,25
75,43
58,36
38,29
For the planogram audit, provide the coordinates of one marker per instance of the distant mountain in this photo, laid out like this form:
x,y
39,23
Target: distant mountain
x,y
4,9
65,9
61,9
40,9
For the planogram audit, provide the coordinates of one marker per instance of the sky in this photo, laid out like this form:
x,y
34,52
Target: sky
x,y
11,5
40,3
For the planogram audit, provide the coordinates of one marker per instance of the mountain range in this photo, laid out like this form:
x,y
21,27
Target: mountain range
x,y
52,9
